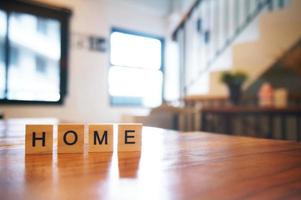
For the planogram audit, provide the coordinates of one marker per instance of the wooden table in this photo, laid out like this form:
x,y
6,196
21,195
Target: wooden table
x,y
171,165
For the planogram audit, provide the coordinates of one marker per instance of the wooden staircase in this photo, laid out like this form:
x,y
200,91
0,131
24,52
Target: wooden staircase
x,y
279,30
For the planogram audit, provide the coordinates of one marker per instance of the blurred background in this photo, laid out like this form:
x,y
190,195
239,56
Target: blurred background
x,y
223,66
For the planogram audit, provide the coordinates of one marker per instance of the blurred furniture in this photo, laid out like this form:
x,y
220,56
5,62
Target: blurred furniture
x,y
197,101
213,110
253,120
171,165
166,116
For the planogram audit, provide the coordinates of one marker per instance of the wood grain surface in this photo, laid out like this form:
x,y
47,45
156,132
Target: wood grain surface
x,y
171,165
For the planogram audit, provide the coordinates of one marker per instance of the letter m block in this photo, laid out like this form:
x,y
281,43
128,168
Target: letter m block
x,y
39,139
100,137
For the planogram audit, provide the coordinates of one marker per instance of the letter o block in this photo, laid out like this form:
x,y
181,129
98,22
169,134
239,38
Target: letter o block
x,y
129,137
70,138
39,139
100,137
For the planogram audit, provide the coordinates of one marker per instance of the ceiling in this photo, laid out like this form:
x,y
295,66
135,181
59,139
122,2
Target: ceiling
x,y
162,7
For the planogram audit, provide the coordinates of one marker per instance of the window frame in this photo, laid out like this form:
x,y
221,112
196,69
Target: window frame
x,y
162,67
40,10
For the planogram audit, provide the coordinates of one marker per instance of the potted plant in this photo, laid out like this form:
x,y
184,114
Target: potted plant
x,y
234,82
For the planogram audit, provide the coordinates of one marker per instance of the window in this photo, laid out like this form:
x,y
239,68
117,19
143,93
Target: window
x,y
2,53
135,75
33,53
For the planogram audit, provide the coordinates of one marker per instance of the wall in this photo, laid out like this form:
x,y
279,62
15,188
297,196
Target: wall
x,y
87,100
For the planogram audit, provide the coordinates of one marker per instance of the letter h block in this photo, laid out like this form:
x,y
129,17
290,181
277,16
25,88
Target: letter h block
x,y
39,139
129,137
100,137
71,138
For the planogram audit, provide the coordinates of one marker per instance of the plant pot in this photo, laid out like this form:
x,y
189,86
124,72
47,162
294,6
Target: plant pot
x,y
235,93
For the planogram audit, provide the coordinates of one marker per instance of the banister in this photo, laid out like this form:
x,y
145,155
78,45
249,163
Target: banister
x,y
185,18
238,28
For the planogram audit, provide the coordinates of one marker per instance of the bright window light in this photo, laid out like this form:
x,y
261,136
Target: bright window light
x,y
135,51
135,76
33,72
30,52
2,55
33,53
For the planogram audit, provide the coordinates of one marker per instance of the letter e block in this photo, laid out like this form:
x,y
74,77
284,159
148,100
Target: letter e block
x,y
100,137
70,138
38,139
129,137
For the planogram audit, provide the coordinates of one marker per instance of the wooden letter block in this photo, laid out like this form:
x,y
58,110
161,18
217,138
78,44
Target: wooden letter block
x,y
100,137
129,137
39,139
70,138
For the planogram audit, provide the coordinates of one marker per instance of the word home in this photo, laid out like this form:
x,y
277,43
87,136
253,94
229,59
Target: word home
x,y
70,138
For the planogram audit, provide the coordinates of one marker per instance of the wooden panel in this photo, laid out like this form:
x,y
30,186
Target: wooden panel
x,y
129,137
100,137
70,138
39,139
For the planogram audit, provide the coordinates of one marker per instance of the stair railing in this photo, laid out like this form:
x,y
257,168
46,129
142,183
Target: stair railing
x,y
245,11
